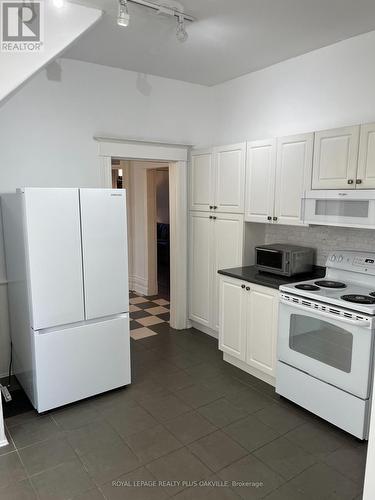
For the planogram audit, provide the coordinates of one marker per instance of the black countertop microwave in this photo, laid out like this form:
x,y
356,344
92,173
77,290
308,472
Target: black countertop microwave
x,y
285,260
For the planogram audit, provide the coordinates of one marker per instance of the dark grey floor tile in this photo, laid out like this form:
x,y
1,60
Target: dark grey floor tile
x,y
110,461
183,360
63,482
113,400
225,384
286,492
139,314
166,407
92,494
281,418
22,490
211,489
140,390
350,461
93,435
181,467
129,421
175,381
152,443
257,479
73,417
11,469
285,458
46,455
33,431
134,325
147,305
203,370
197,395
217,450
21,418
321,481
250,400
189,427
319,438
133,486
164,316
221,412
251,433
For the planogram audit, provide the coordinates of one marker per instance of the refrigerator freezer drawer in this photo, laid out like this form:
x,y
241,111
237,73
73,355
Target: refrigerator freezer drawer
x,y
78,362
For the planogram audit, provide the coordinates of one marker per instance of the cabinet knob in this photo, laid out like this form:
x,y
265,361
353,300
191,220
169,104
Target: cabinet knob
x,y
247,288
211,207
242,286
210,217
274,218
358,181
350,181
215,207
269,218
214,217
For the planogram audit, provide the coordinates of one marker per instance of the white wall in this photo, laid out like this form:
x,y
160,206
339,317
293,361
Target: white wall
x,y
326,88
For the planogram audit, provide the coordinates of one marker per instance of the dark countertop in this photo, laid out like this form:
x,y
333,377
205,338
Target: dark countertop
x,y
252,275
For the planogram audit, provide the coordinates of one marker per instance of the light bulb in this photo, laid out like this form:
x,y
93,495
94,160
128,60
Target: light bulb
x,y
123,16
181,32
58,3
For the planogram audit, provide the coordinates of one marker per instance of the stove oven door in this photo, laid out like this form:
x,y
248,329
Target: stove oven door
x,y
333,349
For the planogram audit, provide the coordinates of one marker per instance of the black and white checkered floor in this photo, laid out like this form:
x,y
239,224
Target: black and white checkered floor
x,y
145,313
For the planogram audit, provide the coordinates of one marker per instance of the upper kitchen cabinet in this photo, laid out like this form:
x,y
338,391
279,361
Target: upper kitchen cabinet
x,y
202,180
260,180
366,162
336,158
217,179
230,178
293,176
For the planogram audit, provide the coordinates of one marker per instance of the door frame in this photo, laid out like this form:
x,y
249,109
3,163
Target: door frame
x,y
177,157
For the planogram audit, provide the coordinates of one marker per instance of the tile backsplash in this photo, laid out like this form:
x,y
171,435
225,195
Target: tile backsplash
x,y
323,238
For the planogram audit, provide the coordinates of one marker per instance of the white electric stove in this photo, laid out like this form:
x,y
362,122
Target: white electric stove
x,y
325,341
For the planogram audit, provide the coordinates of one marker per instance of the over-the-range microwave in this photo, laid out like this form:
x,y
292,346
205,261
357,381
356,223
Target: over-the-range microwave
x,y
348,208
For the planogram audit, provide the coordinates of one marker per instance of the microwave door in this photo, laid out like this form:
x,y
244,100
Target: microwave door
x,y
332,349
270,259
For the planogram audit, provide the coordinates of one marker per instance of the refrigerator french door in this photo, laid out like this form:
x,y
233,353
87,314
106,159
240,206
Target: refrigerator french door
x,y
66,258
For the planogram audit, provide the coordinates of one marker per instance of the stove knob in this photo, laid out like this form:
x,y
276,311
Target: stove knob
x,y
340,259
333,258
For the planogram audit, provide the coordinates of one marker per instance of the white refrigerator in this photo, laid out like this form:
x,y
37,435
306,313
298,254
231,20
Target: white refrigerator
x,y
67,271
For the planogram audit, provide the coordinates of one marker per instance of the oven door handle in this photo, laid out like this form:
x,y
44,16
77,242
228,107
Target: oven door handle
x,y
356,322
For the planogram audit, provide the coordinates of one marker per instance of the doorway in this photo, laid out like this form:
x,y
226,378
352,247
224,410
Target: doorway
x,y
162,231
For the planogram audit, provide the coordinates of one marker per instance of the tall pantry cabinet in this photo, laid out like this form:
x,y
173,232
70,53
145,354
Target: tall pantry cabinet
x,y
216,226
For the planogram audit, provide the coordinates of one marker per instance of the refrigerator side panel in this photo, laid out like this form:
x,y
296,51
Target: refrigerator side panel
x,y
18,293
54,256
105,257
76,362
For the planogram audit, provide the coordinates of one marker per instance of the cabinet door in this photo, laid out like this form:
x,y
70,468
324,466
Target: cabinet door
x,y
335,158
293,176
202,180
366,163
227,252
232,331
230,178
261,323
260,180
200,267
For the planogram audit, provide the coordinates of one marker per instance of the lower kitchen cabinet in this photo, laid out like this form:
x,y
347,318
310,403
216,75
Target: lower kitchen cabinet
x,y
216,242
248,326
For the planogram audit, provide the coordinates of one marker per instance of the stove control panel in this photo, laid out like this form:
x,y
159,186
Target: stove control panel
x,y
352,261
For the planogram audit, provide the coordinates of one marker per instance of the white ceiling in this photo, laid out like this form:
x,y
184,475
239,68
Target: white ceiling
x,y
230,37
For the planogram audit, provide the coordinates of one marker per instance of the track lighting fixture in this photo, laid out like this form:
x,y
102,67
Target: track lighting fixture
x,y
123,16
181,32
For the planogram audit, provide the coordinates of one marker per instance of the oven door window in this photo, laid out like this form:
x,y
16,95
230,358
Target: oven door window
x,y
270,258
320,340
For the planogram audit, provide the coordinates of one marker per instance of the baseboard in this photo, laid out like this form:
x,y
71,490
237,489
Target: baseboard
x,y
4,442
249,369
204,329
138,285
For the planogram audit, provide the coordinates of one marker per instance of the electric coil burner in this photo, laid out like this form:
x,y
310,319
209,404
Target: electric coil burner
x,y
330,284
359,299
310,288
372,294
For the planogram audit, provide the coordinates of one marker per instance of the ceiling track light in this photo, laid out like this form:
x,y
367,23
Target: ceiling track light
x,y
123,17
